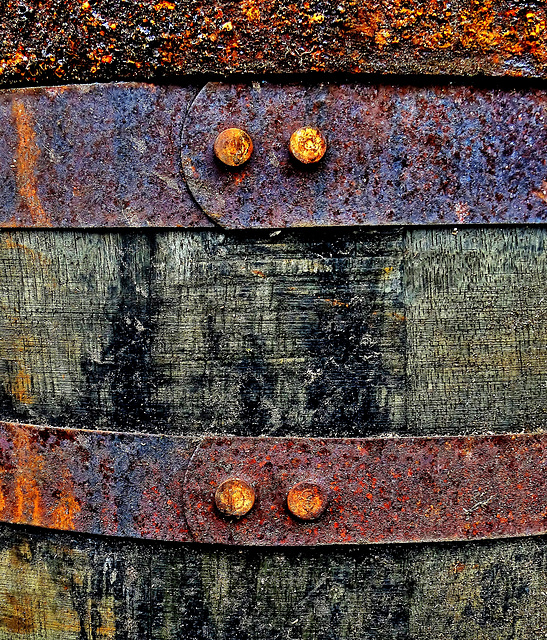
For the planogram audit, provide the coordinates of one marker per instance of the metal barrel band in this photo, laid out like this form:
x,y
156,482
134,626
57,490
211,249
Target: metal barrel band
x,y
325,154
291,492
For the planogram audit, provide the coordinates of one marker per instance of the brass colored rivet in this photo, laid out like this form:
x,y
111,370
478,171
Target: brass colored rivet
x,y
307,145
233,147
234,497
307,500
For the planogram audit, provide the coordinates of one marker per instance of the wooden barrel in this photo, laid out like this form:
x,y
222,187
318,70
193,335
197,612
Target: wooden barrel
x,y
314,332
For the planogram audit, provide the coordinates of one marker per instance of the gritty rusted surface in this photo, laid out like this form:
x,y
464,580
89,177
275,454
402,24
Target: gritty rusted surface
x,y
307,145
307,500
396,154
379,490
383,490
94,156
58,41
95,482
110,155
233,147
234,497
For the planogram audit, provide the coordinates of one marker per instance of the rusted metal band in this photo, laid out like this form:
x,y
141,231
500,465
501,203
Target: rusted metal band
x,y
97,482
94,156
395,155
376,490
110,155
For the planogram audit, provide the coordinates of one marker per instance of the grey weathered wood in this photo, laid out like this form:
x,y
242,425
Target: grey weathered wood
x,y
191,332
475,301
55,586
320,332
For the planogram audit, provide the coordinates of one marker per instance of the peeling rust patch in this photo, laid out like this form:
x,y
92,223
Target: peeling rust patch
x,y
26,157
94,482
58,41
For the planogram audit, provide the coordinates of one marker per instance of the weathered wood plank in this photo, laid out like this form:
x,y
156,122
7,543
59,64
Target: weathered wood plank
x,y
476,330
191,332
56,586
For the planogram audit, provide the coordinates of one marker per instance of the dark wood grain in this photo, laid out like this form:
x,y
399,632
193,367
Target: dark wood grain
x,y
324,332
58,586
255,334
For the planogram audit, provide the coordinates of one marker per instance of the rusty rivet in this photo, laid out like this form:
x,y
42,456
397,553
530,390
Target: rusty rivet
x,y
233,147
234,497
307,145
307,500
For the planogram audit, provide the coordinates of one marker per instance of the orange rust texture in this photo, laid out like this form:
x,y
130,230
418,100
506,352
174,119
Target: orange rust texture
x,y
307,501
27,504
26,157
58,41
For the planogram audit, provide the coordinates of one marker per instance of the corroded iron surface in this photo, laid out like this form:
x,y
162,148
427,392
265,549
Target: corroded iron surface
x,y
381,490
395,155
94,156
110,155
352,491
97,482
74,40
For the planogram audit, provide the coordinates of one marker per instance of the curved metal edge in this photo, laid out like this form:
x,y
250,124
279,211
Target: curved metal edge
x,y
396,155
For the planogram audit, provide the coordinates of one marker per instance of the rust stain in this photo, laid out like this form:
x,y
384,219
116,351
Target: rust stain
x,y
34,255
25,161
336,303
251,11
21,386
541,193
34,258
259,273
20,618
28,503
65,512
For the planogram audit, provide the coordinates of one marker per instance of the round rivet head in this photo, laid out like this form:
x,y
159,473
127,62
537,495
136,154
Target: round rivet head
x,y
307,145
307,500
234,497
233,147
